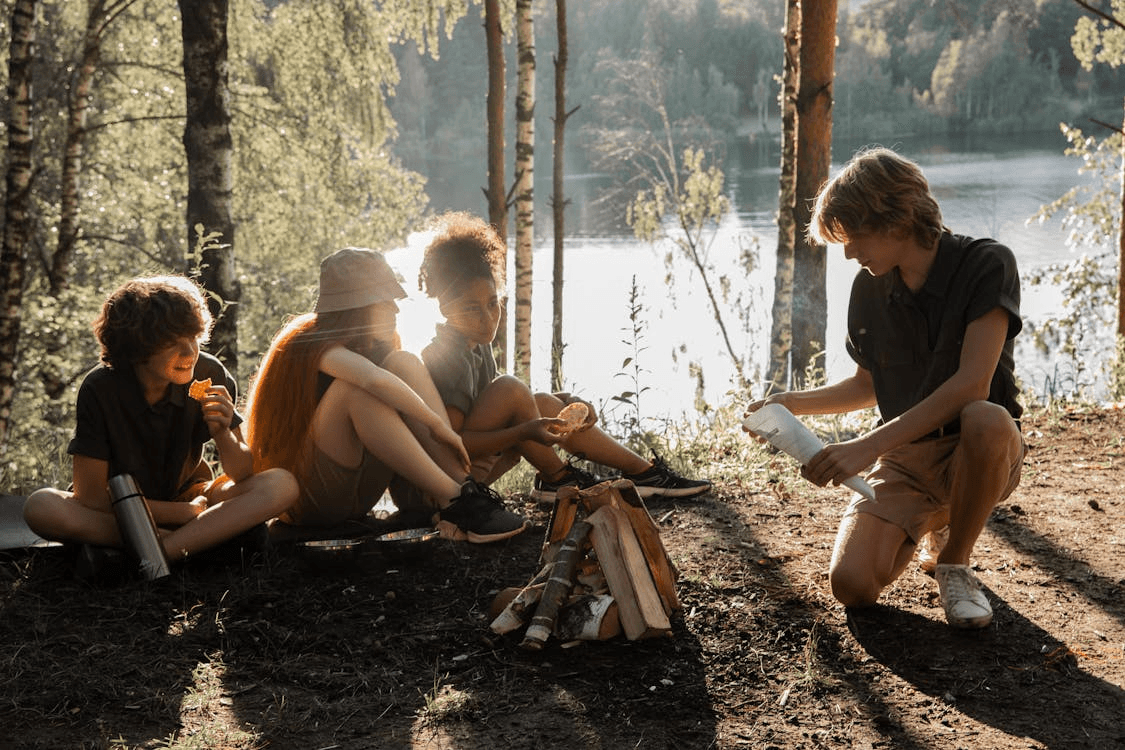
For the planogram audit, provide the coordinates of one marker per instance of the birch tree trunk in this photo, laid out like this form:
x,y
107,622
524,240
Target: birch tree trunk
x,y
814,158
207,143
1121,251
524,188
494,107
558,202
781,336
17,220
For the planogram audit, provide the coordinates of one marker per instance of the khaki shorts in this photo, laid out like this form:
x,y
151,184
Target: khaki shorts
x,y
913,485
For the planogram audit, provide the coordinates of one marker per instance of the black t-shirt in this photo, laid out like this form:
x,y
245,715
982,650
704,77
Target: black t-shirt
x,y
160,445
910,342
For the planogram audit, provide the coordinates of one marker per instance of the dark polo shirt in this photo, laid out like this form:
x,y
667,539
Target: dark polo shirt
x,y
910,342
459,372
160,445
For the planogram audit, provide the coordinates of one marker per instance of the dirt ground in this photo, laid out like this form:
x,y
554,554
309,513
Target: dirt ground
x,y
384,654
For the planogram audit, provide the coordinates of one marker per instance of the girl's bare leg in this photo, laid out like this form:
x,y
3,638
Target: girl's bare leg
x,y
506,402
349,420
413,372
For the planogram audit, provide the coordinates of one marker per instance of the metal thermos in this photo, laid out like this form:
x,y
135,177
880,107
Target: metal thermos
x,y
134,519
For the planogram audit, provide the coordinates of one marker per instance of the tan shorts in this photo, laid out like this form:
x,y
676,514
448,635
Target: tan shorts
x,y
913,485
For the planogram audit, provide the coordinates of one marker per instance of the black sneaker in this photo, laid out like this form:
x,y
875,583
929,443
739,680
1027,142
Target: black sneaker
x,y
478,516
544,492
660,481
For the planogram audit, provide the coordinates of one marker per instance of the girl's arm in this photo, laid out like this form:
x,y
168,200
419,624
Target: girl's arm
x,y
344,364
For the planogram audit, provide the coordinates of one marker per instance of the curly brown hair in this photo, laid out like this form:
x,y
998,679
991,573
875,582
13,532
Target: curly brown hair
x,y
465,248
145,315
877,191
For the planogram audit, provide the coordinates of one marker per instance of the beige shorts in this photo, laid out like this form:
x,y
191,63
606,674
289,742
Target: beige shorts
x,y
913,485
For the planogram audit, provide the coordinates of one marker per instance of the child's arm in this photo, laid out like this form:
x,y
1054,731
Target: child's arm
x,y
234,453
361,372
850,394
91,477
488,442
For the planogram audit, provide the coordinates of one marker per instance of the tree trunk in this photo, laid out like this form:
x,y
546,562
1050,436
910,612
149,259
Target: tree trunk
x,y
1121,251
18,220
781,336
558,202
494,106
208,146
525,193
814,158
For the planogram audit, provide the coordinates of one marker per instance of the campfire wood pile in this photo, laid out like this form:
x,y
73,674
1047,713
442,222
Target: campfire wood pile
x,y
602,574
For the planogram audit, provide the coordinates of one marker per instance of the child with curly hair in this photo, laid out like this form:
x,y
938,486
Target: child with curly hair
x,y
498,416
337,403
134,416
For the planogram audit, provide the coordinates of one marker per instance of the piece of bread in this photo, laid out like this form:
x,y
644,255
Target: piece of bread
x,y
574,415
198,389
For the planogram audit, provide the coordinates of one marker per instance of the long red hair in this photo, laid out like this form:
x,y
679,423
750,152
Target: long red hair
x,y
285,392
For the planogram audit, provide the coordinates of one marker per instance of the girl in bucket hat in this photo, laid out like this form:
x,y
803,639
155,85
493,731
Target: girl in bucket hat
x,y
337,403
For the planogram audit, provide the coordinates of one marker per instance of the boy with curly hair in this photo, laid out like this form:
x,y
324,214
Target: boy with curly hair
x,y
498,416
134,416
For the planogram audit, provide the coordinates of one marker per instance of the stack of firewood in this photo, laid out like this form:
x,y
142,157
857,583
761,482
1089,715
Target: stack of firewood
x,y
603,571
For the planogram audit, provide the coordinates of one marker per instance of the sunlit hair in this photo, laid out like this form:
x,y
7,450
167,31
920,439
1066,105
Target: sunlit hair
x,y
877,191
284,394
466,248
145,315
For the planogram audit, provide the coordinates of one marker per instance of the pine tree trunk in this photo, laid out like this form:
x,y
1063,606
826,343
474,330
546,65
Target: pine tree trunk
x,y
558,202
17,220
814,158
525,194
207,143
781,336
494,107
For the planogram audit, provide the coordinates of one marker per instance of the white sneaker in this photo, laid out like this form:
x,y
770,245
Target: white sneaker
x,y
930,546
961,597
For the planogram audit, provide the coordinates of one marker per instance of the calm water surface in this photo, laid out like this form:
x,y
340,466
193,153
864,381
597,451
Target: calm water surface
x,y
985,187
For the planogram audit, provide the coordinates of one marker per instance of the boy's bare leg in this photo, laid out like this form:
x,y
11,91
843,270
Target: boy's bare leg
x,y
506,402
413,372
58,515
235,508
990,443
869,555
593,443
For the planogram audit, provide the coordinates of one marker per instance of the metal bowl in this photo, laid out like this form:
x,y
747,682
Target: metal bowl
x,y
406,543
332,551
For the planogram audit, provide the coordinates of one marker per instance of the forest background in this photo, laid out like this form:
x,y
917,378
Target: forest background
x,y
344,113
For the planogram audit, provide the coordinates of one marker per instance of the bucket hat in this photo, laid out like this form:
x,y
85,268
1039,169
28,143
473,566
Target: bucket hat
x,y
356,277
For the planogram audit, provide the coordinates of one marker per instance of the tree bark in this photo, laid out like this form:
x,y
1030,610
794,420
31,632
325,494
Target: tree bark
x,y
781,336
814,158
1121,251
17,220
558,202
494,107
524,190
208,146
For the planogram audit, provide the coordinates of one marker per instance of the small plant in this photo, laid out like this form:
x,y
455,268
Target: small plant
x,y
631,368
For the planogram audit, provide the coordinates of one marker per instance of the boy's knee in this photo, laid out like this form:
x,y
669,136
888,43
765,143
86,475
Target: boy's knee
x,y
42,512
988,427
852,587
281,487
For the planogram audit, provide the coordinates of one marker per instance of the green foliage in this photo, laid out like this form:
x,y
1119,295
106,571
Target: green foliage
x,y
1098,40
314,171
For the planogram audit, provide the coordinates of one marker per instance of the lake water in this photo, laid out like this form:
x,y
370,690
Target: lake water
x,y
986,187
